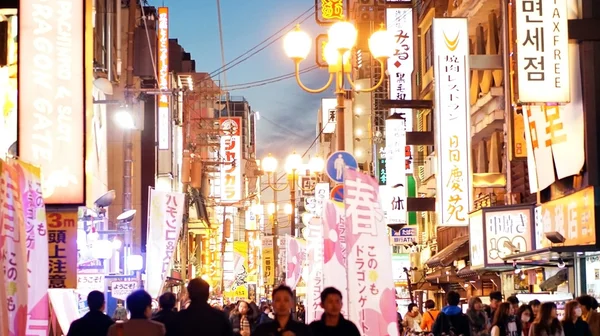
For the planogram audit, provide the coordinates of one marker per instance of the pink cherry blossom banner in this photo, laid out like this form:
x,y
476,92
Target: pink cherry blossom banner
x,y
334,233
36,243
314,269
372,298
295,254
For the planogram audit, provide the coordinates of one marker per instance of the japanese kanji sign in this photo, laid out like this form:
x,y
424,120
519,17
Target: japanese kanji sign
x,y
62,249
231,154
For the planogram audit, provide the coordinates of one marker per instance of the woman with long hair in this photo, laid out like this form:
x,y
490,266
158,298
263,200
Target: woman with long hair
x,y
242,319
525,318
504,323
546,322
572,323
478,317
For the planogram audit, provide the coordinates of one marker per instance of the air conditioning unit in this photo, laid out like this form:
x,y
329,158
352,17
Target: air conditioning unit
x,y
430,166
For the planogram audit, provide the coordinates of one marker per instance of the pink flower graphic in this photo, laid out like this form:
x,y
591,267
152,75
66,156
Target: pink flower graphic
x,y
381,322
20,321
332,234
295,258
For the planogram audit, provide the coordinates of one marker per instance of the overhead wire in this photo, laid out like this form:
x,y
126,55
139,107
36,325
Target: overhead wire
x,y
276,78
294,21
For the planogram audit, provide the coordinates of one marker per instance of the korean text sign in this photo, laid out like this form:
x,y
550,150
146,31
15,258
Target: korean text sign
x,y
371,301
163,77
543,51
268,260
453,122
62,249
52,93
231,152
165,219
399,21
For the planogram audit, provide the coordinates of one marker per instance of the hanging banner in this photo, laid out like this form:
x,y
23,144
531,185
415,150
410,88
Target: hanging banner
x,y
13,248
371,292
253,239
314,271
162,34
321,196
335,252
399,21
542,51
268,260
62,248
231,153
239,286
394,198
295,254
453,122
165,218
555,134
36,244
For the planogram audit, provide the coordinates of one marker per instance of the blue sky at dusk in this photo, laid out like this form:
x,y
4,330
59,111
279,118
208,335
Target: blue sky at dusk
x,y
288,114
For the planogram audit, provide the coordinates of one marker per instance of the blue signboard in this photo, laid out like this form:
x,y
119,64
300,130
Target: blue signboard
x,y
336,164
406,235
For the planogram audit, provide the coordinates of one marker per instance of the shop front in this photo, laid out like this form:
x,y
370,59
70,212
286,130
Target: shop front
x,y
564,230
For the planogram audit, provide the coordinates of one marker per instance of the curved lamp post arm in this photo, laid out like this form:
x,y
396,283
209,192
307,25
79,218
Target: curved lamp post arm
x,y
309,90
381,77
274,186
301,187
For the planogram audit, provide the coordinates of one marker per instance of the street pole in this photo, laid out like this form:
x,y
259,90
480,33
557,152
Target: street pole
x,y
339,112
292,182
274,231
127,136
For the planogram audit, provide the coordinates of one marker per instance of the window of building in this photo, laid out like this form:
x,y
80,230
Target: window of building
x,y
429,127
428,49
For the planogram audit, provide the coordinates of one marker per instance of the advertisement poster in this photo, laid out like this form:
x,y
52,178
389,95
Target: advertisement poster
x,y
239,286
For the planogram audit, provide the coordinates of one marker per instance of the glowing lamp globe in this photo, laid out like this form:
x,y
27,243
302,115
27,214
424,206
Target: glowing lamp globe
x,y
102,249
135,262
269,164
293,162
297,44
271,208
381,44
342,35
316,164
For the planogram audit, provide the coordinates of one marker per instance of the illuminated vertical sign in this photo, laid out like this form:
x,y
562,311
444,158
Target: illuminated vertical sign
x,y
231,153
543,51
331,11
328,111
399,21
163,77
394,196
451,68
52,90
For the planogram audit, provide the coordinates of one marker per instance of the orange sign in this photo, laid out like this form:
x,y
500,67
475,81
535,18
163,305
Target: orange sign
x,y
163,77
52,91
331,11
571,216
252,237
62,249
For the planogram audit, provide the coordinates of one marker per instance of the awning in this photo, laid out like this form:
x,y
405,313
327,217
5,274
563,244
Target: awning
x,y
466,272
457,250
442,276
552,283
549,253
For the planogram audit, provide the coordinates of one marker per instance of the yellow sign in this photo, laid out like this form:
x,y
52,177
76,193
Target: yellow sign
x,y
571,216
518,133
62,248
239,287
252,237
332,9
268,260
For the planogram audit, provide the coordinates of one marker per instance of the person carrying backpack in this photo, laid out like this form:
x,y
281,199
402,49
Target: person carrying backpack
x,y
451,320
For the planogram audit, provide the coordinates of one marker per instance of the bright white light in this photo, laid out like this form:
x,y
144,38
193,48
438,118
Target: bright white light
x,y
316,164
135,262
358,153
102,249
269,164
382,44
257,242
271,208
358,132
293,162
296,44
116,244
332,55
288,209
342,35
357,110
124,119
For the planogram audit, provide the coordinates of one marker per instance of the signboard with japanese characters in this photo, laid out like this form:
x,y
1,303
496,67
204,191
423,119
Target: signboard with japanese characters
x,y
331,11
404,236
572,216
369,261
231,153
314,269
268,259
165,219
328,111
394,198
121,289
400,67
381,164
451,68
62,249
476,247
506,230
308,185
162,33
252,237
542,51
90,282
321,195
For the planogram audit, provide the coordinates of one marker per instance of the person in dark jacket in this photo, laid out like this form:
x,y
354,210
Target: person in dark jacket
x,y
573,324
95,322
200,317
265,315
451,320
242,319
495,301
332,322
166,315
283,325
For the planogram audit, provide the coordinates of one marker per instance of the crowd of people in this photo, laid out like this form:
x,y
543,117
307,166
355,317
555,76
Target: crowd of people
x,y
200,318
502,318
